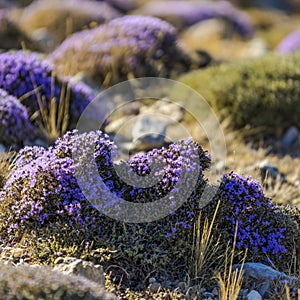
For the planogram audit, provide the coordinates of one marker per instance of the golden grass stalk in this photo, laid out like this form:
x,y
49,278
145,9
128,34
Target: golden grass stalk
x,y
54,116
7,160
231,281
203,250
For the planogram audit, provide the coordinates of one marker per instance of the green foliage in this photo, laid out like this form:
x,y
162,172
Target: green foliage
x,y
262,94
26,282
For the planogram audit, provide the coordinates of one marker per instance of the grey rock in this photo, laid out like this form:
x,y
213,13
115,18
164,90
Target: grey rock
x,y
262,274
149,132
254,295
208,295
215,292
154,287
268,170
152,280
173,111
2,148
290,137
40,143
75,266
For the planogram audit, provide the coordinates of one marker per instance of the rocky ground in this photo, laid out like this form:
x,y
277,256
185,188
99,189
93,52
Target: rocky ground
x,y
241,57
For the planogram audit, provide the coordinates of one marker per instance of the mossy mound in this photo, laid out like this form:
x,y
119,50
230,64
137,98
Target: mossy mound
x,y
26,282
261,94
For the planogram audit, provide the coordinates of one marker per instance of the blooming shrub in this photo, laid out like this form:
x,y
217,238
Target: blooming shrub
x,y
291,43
261,94
248,202
41,282
267,232
44,189
42,194
26,76
54,15
191,12
15,126
131,45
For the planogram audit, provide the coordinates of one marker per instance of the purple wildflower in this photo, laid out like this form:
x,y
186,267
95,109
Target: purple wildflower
x,y
138,45
290,43
249,208
15,126
43,189
26,76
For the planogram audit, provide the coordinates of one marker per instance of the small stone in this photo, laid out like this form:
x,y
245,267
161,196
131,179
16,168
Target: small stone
x,y
40,143
267,170
154,287
149,132
290,137
72,265
262,274
254,295
2,148
215,291
208,295
152,280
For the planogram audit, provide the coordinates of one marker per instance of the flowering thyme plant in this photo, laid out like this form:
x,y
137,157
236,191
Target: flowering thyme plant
x,y
15,126
26,76
130,45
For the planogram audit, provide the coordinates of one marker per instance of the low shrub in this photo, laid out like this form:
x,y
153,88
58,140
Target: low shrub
x,y
262,94
15,126
131,46
26,76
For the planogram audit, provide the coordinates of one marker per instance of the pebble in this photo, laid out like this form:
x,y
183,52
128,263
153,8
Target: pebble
x,y
72,265
290,137
154,287
268,170
2,148
152,280
254,295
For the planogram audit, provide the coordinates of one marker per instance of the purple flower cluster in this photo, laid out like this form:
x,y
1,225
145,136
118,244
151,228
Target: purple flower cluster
x,y
249,209
191,12
290,43
43,188
28,78
182,156
137,45
15,126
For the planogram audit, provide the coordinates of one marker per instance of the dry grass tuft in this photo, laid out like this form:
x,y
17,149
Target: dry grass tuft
x,y
203,250
231,282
